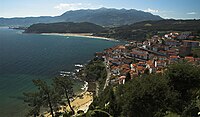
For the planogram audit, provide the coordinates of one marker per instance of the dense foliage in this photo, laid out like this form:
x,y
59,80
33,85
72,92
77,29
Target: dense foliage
x,y
95,73
44,97
175,91
196,52
63,86
95,70
141,30
185,79
137,31
49,96
64,27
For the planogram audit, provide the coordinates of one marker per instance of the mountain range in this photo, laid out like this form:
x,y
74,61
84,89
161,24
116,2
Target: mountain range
x,y
102,16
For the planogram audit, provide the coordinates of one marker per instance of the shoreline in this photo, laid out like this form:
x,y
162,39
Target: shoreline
x,y
88,35
81,100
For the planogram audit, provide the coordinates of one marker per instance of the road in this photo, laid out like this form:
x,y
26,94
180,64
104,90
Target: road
x,y
108,76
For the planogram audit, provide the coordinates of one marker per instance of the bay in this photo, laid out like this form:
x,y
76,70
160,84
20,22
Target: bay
x,y
24,57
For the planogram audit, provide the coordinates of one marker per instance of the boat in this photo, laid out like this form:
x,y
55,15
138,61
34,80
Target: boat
x,y
64,73
78,65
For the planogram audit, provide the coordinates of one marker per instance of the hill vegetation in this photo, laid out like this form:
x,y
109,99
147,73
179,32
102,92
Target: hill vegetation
x,y
64,27
139,31
176,92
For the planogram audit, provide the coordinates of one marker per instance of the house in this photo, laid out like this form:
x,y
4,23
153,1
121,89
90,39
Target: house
x,y
115,70
124,69
140,69
150,64
184,35
139,54
127,60
122,79
119,49
171,42
173,59
189,58
160,63
155,48
133,67
173,52
115,62
190,43
141,63
99,55
163,52
161,57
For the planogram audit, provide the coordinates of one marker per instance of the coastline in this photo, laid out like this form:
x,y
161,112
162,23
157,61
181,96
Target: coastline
x,y
81,101
88,35
20,33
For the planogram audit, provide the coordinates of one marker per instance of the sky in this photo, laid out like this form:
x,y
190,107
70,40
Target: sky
x,y
176,9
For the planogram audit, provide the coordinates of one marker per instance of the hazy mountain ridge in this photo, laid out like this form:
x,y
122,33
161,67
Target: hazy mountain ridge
x,y
102,16
109,17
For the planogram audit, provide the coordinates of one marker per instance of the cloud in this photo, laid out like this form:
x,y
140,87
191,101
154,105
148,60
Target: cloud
x,y
151,10
72,6
192,13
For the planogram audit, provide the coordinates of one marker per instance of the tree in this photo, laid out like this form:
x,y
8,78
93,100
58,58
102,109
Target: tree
x,y
128,77
146,97
184,77
113,107
95,71
34,101
63,86
44,97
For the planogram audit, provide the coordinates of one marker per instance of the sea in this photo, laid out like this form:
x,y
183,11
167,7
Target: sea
x,y
24,57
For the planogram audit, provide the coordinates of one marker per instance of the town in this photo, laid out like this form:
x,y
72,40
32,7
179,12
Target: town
x,y
150,56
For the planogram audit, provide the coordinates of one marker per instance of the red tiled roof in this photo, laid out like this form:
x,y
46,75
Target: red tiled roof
x,y
134,65
140,68
189,58
174,57
190,41
115,67
149,62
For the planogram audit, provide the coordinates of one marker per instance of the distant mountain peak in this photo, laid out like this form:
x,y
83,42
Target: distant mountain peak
x,y
103,8
102,16
109,16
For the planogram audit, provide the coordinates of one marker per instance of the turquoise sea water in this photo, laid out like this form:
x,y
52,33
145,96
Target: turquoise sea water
x,y
24,57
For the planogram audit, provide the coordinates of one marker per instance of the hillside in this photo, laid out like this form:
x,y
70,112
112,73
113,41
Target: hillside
x,y
138,31
109,17
165,25
102,16
64,27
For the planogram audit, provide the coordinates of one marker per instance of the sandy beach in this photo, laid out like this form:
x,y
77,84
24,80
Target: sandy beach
x,y
81,102
88,35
